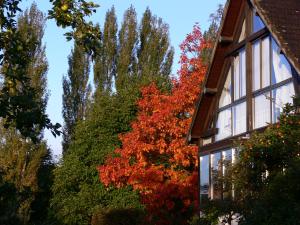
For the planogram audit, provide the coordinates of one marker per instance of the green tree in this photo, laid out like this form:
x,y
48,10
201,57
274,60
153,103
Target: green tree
x,y
26,165
105,62
76,92
265,177
155,56
127,51
18,107
78,195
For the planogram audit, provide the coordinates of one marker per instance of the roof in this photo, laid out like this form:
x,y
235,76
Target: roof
x,y
281,17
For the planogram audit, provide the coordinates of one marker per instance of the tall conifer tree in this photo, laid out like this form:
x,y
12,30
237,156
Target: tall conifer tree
x,y
76,92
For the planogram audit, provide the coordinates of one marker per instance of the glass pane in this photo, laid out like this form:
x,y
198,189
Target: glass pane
x,y
226,93
240,75
216,172
227,162
281,96
243,73
224,124
239,118
256,65
236,76
243,32
261,110
258,24
204,177
265,53
281,68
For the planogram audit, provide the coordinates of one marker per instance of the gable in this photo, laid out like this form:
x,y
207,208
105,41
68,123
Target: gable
x,y
230,34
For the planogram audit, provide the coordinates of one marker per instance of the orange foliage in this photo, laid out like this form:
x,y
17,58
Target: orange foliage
x,y
154,158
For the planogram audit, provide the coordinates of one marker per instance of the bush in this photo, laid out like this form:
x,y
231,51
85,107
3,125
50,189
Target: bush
x,y
127,216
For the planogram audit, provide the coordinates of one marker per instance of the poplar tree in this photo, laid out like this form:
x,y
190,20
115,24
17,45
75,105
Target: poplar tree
x,y
128,38
105,62
25,166
155,56
76,92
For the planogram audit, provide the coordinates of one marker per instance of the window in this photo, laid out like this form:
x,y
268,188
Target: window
x,y
261,64
226,92
204,177
216,172
272,85
281,69
281,96
227,160
212,167
261,109
240,75
239,119
232,119
257,24
224,124
275,76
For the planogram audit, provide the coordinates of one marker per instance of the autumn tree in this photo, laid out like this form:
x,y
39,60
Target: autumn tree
x,y
25,166
76,91
154,158
78,196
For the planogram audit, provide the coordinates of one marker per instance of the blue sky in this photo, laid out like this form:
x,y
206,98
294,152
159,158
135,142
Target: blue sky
x,y
180,15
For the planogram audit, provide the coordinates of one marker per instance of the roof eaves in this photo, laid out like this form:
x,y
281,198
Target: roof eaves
x,y
209,69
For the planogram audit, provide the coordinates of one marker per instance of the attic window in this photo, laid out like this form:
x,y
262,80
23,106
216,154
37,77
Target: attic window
x,y
258,24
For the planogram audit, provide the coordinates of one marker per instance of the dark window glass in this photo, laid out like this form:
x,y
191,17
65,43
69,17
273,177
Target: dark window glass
x,y
204,177
216,173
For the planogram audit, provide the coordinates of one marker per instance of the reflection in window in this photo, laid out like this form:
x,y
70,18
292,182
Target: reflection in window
x,y
261,110
224,124
258,24
227,157
280,97
281,69
239,119
216,172
226,92
261,63
204,177
265,64
256,65
240,75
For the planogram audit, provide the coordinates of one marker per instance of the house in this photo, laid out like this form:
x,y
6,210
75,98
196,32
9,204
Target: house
x,y
254,72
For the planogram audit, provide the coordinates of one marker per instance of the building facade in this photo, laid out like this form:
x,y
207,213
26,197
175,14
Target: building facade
x,y
254,72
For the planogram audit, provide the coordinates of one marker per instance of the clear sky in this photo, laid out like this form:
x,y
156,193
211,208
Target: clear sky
x,y
179,14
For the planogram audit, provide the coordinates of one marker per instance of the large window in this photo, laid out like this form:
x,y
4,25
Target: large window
x,y
272,73
272,87
232,108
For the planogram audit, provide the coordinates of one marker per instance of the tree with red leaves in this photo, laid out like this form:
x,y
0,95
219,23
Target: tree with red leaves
x,y
154,158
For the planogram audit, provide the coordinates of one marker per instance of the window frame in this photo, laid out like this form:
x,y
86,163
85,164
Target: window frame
x,y
236,48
